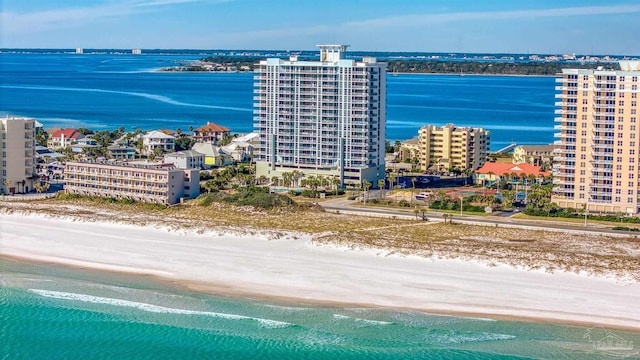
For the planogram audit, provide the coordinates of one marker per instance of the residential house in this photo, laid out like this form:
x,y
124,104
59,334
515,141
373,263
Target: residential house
x,y
121,152
83,143
187,159
492,172
64,138
213,155
210,133
537,155
157,140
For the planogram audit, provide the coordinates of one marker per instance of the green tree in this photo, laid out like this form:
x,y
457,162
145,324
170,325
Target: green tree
x,y
184,143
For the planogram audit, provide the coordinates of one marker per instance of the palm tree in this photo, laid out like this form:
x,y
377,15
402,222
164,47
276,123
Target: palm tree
x,y
336,183
274,181
381,187
366,185
416,211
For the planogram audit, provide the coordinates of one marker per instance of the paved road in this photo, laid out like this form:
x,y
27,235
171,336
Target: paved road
x,y
343,205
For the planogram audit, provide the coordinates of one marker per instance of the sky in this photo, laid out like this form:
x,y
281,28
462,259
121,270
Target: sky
x,y
597,27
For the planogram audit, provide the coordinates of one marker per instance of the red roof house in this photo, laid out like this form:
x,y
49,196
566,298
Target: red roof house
x,y
210,133
63,138
490,171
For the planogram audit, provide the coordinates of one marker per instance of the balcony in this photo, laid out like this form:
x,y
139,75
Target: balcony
x,y
565,112
560,181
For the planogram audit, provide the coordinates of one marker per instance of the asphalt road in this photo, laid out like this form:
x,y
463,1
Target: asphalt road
x,y
345,206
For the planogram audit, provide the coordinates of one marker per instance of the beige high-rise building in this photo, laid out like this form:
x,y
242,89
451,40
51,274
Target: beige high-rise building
x,y
598,154
449,146
18,161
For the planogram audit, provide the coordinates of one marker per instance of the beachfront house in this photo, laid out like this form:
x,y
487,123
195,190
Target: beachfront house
x,y
64,137
154,140
210,133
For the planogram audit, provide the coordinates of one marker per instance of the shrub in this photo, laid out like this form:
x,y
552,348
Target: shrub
x,y
404,203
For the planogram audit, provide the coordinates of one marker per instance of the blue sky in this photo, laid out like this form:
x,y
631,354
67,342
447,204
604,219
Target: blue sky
x,y
541,26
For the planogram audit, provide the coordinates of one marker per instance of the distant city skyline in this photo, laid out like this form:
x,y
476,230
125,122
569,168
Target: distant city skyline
x,y
492,26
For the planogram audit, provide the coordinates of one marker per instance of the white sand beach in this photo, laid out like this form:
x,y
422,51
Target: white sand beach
x,y
292,267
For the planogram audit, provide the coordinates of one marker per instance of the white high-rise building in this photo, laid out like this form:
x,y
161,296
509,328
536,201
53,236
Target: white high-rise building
x,y
323,117
18,157
597,156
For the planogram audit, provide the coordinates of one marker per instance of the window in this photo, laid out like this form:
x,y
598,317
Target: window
x,y
621,127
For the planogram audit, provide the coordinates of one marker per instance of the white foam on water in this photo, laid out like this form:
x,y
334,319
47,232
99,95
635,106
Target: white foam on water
x,y
154,308
453,338
155,97
364,321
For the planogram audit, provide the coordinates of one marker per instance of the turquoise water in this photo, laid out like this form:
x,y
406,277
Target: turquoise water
x,y
53,312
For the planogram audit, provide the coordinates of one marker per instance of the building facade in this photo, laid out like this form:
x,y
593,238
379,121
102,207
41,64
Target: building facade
x,y
63,137
537,155
157,140
210,133
187,159
18,161
449,146
597,156
323,117
159,184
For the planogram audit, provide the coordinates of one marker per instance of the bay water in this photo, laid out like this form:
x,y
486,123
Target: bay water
x,y
106,91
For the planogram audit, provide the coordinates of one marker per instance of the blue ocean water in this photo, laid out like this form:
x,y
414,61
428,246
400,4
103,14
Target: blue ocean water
x,y
53,312
106,91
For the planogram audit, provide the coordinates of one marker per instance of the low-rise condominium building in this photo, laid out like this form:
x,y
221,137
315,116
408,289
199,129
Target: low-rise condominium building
x,y
159,184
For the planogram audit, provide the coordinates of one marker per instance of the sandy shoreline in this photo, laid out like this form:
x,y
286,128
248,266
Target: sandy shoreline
x,y
292,269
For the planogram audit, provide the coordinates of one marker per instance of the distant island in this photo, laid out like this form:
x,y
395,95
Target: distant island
x,y
410,66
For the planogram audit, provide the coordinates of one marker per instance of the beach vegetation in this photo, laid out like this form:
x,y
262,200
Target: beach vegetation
x,y
256,196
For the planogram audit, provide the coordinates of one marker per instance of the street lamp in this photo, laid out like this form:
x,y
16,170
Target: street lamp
x,y
586,213
461,205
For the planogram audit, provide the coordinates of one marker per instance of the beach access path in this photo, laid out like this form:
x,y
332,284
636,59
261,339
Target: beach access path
x,y
291,267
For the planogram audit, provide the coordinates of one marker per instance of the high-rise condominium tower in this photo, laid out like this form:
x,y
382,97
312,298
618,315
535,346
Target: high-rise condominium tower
x,y
598,155
323,117
18,157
